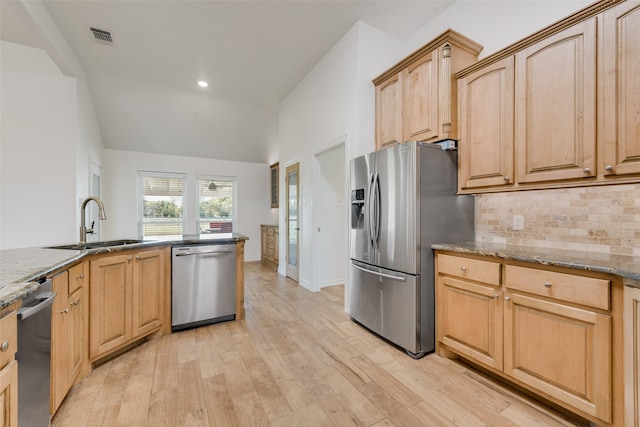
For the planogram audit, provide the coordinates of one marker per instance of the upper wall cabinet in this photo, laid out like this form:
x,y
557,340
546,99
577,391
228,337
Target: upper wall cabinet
x,y
621,94
557,109
415,99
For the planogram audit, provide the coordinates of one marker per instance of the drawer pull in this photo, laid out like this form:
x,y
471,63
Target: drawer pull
x,y
65,311
586,170
608,168
463,268
81,276
495,296
75,302
547,284
507,299
5,346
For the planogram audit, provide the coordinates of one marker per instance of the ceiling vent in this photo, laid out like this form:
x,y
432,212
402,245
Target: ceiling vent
x,y
102,35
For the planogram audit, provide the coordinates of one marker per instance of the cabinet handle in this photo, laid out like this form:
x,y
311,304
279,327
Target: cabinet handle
x,y
506,178
81,276
5,346
495,296
75,302
608,168
129,259
463,268
547,284
65,311
586,170
138,257
507,299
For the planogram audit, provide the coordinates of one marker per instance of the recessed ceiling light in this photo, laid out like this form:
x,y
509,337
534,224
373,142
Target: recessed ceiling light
x,y
202,83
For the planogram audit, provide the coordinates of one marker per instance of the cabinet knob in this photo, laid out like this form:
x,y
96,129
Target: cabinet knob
x,y
586,170
506,178
507,299
65,311
495,296
81,276
547,284
138,257
129,258
463,268
608,168
75,302
5,346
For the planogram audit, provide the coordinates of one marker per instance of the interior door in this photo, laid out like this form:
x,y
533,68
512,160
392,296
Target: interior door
x,y
292,182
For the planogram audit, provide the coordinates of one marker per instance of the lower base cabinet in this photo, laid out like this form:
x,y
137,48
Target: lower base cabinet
x,y
8,367
548,330
126,299
632,356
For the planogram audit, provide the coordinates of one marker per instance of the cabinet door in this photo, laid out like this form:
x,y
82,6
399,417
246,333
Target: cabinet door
x,y
555,106
486,126
621,94
389,112
109,303
632,356
76,334
59,341
469,320
9,395
560,350
147,292
420,99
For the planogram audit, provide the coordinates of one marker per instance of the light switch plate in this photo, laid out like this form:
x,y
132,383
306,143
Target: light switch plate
x,y
518,222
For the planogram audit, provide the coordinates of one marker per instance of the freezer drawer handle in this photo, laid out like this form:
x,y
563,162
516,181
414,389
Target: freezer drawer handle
x,y
388,276
204,253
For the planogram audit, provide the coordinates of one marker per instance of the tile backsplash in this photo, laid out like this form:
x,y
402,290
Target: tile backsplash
x,y
596,219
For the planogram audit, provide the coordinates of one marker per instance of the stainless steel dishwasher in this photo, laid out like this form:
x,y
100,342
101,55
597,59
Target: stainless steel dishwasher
x,y
203,285
34,357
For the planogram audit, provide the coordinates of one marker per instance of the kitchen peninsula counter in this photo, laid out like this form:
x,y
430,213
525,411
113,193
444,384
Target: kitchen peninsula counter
x,y
625,266
21,269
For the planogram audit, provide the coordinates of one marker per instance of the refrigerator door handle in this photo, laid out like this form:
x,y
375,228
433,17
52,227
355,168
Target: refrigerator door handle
x,y
370,209
375,273
377,210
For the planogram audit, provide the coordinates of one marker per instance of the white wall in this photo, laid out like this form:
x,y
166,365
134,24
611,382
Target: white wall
x,y
121,199
37,150
326,105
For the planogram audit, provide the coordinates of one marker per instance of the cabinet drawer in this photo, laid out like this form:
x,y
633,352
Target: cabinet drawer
x,y
471,269
76,278
566,287
8,334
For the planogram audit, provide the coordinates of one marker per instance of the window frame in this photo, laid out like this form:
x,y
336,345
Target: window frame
x,y
141,175
234,199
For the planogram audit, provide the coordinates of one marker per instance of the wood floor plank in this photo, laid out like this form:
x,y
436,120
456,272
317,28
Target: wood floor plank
x,y
295,360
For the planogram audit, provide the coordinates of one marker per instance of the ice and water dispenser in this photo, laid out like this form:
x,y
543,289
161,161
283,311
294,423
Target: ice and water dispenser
x,y
357,208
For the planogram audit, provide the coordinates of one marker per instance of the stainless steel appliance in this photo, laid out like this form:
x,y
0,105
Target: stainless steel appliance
x,y
203,288
403,199
34,357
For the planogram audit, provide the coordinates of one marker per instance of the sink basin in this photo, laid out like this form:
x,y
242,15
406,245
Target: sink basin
x,y
93,245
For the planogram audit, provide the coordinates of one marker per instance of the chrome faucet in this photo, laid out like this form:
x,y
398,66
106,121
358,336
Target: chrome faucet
x,y
83,228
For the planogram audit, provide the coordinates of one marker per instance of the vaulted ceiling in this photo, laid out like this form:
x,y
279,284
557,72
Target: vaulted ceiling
x,y
252,54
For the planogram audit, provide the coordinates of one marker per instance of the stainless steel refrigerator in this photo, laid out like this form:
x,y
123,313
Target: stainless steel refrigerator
x,y
403,200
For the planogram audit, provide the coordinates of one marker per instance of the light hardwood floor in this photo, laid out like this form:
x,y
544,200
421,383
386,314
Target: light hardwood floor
x,y
296,360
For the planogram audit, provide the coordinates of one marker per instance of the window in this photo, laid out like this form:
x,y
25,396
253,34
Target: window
x,y
216,206
160,209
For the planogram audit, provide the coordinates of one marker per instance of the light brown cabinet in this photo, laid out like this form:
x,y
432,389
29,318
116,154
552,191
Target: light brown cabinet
x,y
415,99
269,235
546,330
486,126
126,299
632,356
8,367
574,90
68,332
621,91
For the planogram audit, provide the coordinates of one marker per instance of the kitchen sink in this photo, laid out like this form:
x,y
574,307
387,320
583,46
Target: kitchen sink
x,y
94,245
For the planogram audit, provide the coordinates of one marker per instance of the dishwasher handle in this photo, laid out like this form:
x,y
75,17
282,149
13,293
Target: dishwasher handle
x,y
204,253
45,298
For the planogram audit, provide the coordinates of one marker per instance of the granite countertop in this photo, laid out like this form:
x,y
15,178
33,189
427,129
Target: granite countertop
x,y
21,269
625,266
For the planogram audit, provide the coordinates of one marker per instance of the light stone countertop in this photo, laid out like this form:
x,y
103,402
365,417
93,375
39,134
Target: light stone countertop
x,y
625,266
22,269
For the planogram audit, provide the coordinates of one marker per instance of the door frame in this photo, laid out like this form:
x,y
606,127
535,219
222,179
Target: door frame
x,y
292,166
316,219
